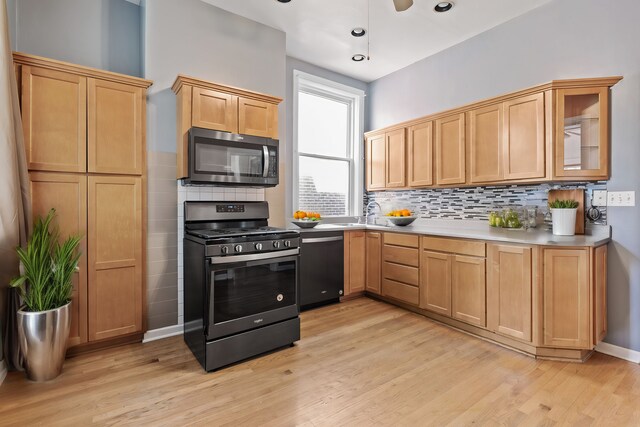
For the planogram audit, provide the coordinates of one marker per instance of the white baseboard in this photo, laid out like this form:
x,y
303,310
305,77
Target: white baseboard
x,y
158,334
3,371
619,352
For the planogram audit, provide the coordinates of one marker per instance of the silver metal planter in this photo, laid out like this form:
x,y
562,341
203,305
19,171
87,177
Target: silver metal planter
x,y
43,341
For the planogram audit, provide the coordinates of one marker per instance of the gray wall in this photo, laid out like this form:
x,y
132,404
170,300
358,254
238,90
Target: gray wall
x,y
196,39
11,12
102,34
562,39
296,64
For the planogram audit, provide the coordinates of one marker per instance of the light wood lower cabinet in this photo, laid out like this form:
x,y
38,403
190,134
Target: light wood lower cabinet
x,y
400,272
373,262
468,290
435,282
115,256
566,288
600,293
355,267
67,194
509,291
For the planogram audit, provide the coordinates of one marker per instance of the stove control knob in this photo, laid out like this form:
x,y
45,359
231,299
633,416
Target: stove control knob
x,y
238,248
287,243
224,249
276,244
258,246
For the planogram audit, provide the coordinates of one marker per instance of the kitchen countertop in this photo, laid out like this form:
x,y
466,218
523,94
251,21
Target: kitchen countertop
x,y
596,235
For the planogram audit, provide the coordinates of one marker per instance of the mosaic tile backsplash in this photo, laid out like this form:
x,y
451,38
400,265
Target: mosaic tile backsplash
x,y
476,202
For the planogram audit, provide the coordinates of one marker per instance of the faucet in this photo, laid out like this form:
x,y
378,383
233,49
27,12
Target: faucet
x,y
371,203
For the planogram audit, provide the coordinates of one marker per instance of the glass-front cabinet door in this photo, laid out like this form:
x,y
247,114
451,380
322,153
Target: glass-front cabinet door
x,y
582,133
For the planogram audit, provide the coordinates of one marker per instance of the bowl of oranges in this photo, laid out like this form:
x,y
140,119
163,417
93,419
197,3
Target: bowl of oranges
x,y
401,217
306,219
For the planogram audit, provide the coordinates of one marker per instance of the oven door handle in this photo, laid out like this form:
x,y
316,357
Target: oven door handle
x,y
254,257
265,157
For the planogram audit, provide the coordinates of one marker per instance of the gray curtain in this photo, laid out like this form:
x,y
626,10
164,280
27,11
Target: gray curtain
x,y
15,207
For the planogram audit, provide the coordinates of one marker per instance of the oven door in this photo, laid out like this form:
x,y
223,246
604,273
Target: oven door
x,y
250,291
228,158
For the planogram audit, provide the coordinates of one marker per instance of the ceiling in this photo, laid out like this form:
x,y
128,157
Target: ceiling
x,y
318,31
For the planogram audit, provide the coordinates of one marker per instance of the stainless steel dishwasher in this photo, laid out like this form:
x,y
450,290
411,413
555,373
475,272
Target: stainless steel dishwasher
x,y
321,267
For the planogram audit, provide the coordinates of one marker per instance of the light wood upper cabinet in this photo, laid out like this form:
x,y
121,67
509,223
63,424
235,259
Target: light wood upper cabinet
x,y
209,105
485,144
214,110
116,124
376,162
257,118
468,290
420,155
54,119
435,282
115,256
67,194
524,138
566,311
582,138
395,159
373,261
509,291
450,150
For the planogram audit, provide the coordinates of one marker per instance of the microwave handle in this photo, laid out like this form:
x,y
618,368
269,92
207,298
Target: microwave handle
x,y
265,154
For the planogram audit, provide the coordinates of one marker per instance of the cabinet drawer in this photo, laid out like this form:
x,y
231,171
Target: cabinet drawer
x,y
401,273
408,240
400,291
400,255
462,247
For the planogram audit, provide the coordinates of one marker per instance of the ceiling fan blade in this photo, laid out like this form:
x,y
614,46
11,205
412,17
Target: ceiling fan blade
x,y
402,5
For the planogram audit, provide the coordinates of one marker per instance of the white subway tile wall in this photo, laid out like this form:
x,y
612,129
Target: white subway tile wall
x,y
206,193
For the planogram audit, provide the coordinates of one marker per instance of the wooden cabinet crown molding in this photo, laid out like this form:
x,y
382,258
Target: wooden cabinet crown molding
x,y
53,64
192,81
554,84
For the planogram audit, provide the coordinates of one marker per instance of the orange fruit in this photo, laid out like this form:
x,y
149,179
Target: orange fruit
x,y
406,212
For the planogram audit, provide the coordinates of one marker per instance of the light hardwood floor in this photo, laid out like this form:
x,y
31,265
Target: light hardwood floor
x,y
359,363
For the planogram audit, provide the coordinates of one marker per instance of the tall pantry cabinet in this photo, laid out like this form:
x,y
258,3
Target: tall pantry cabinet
x,y
85,145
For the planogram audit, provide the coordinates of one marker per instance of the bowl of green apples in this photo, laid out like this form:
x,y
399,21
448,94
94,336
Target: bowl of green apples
x,y
509,218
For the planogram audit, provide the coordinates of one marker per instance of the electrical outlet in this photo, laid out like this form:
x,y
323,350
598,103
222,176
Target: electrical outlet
x,y
599,198
621,198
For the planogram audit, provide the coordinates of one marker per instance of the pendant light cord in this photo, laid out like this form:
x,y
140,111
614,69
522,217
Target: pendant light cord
x,y
368,29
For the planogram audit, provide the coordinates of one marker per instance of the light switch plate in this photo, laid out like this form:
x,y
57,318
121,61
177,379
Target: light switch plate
x,y
621,198
599,198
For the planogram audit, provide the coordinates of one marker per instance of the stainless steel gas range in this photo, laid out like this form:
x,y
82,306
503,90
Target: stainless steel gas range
x,y
240,282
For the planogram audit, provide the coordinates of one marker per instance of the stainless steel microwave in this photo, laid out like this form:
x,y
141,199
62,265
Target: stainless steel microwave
x,y
225,158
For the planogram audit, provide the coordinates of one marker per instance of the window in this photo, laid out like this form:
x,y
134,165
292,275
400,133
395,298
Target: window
x,y
327,146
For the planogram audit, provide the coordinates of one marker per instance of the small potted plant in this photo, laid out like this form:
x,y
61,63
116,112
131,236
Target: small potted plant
x,y
563,216
45,286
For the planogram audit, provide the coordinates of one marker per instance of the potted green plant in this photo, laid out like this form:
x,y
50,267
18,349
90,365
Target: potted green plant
x,y
45,286
563,216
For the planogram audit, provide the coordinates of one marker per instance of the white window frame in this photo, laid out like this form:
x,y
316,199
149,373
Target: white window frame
x,y
354,98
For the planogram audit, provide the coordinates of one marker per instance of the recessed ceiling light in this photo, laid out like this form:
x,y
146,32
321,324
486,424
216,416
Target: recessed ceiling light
x,y
358,32
283,1
358,57
443,6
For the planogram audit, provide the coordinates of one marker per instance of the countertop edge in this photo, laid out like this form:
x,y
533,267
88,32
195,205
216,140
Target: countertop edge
x,y
536,237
